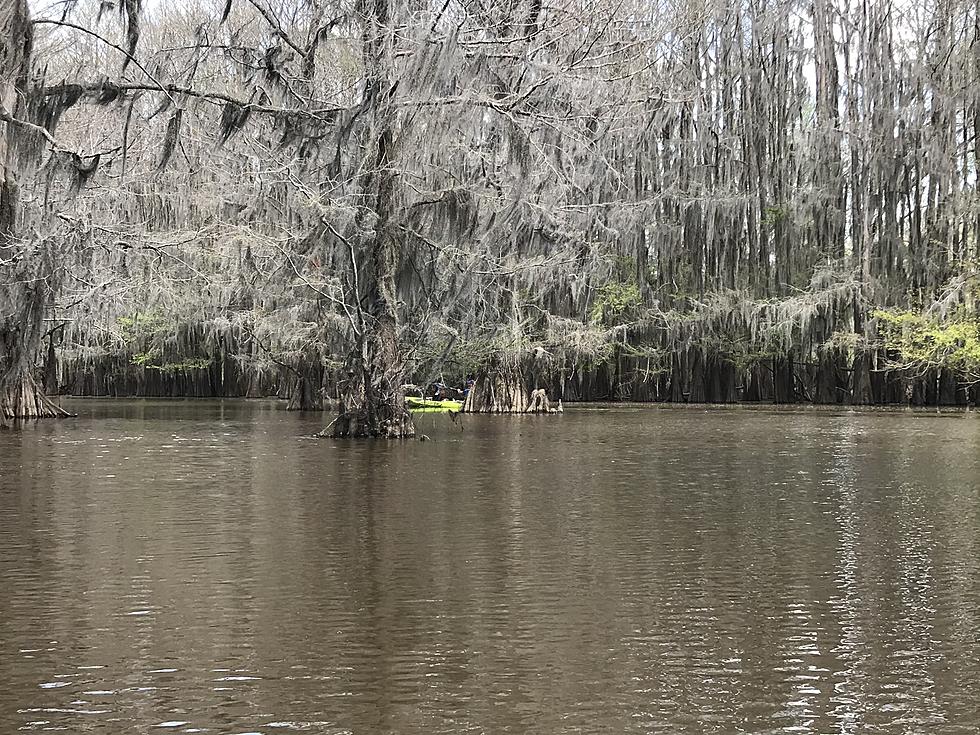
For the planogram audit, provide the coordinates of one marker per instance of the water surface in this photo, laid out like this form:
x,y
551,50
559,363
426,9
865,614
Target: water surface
x,y
205,566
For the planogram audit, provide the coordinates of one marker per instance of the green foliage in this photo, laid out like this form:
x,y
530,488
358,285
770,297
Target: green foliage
x,y
925,342
773,215
143,335
744,355
192,363
153,360
624,265
143,326
148,358
616,303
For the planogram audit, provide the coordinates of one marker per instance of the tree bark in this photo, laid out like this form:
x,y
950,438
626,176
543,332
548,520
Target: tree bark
x,y
23,293
373,402
498,388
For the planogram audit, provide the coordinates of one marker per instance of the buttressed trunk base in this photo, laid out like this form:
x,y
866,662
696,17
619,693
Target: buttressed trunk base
x,y
501,388
25,400
373,403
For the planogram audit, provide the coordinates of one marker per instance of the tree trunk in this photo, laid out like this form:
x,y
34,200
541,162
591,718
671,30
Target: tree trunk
x,y
24,273
861,393
50,383
784,381
25,400
826,382
540,403
306,388
373,401
499,388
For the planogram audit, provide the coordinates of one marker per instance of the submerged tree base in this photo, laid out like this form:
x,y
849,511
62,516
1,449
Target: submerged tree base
x,y
361,425
502,388
27,401
373,419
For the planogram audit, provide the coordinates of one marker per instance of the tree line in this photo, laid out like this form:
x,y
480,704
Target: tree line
x,y
685,200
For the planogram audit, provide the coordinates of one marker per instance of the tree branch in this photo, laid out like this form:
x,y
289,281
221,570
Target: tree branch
x,y
208,95
6,117
107,42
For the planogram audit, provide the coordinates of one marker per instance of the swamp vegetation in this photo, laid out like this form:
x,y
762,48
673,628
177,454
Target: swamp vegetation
x,y
681,200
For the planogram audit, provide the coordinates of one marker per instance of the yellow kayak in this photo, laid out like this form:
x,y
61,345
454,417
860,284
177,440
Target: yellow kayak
x,y
424,404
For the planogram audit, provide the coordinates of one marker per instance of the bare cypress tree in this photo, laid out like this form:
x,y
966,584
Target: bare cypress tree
x,y
26,267
373,402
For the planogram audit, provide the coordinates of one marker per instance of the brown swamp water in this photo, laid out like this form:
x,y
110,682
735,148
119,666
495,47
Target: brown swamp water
x,y
205,566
